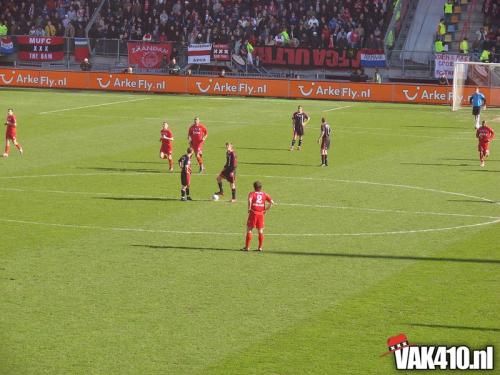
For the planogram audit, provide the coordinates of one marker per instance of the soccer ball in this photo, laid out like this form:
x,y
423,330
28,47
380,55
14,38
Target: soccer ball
x,y
215,197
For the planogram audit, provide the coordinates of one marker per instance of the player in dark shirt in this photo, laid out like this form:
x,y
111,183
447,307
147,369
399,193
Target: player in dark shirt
x,y
185,165
324,141
228,172
299,120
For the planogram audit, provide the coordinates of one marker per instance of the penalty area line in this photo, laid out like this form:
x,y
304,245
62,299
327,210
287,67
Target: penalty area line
x,y
337,108
93,106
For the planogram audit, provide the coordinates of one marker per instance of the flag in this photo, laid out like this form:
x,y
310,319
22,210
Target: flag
x,y
6,46
199,53
372,58
221,52
81,49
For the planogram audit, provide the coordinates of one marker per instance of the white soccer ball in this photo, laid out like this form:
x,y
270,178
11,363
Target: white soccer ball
x,y
215,197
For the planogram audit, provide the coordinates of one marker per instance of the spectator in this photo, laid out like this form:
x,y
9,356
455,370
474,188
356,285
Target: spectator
x,y
50,29
443,80
485,56
69,30
464,46
249,49
222,73
377,78
448,11
438,46
441,29
85,66
174,68
128,70
3,29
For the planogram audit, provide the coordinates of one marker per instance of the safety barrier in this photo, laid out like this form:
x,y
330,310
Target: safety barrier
x,y
250,87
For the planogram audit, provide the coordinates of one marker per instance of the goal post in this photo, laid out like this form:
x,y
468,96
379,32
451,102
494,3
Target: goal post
x,y
469,75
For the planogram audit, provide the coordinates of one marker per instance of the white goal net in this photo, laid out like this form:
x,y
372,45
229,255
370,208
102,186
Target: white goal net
x,y
469,75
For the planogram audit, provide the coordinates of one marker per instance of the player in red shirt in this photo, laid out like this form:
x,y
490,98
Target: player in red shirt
x,y
197,135
185,165
10,134
229,172
166,139
484,135
258,204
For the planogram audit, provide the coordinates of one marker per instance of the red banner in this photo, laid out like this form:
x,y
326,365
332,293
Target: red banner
x,y
147,55
221,52
308,57
40,48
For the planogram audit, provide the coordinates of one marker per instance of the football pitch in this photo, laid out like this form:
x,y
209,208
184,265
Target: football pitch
x,y
104,271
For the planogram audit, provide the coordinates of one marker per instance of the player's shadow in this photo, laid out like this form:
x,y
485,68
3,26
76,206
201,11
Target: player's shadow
x,y
474,160
333,255
259,148
471,201
277,164
142,162
438,164
433,127
482,171
139,199
126,170
482,329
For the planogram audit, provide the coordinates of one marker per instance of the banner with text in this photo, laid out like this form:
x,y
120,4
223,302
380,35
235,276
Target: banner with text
x,y
221,52
147,55
40,48
199,53
444,63
309,57
241,87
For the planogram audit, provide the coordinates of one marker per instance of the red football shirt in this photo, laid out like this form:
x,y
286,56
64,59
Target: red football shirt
x,y
197,133
258,201
11,120
166,133
485,134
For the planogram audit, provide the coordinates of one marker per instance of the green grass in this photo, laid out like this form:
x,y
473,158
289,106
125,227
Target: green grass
x,y
93,279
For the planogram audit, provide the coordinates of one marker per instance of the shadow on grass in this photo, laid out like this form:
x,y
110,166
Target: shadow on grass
x,y
438,164
139,199
285,164
471,201
483,171
433,127
333,255
474,160
259,148
485,329
136,170
142,162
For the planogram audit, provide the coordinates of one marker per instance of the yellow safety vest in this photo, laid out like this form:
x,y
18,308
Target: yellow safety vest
x,y
448,8
438,46
464,46
442,28
485,55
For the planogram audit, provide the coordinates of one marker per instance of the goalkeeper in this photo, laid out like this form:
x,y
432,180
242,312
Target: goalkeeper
x,y
477,100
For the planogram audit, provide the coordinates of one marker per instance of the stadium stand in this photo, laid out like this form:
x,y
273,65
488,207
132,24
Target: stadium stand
x,y
320,23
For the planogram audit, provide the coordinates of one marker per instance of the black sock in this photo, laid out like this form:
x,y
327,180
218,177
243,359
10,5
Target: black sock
x,y
233,192
183,193
322,159
326,159
293,142
300,142
220,187
187,192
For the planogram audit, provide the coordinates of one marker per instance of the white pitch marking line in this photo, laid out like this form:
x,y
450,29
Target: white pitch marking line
x,y
94,105
261,176
337,108
367,209
118,229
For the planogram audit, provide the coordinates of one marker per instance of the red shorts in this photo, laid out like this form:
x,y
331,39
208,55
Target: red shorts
x,y
10,133
166,148
197,147
255,220
483,147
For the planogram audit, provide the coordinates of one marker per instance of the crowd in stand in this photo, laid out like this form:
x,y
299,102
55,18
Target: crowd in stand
x,y
46,17
485,46
308,23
